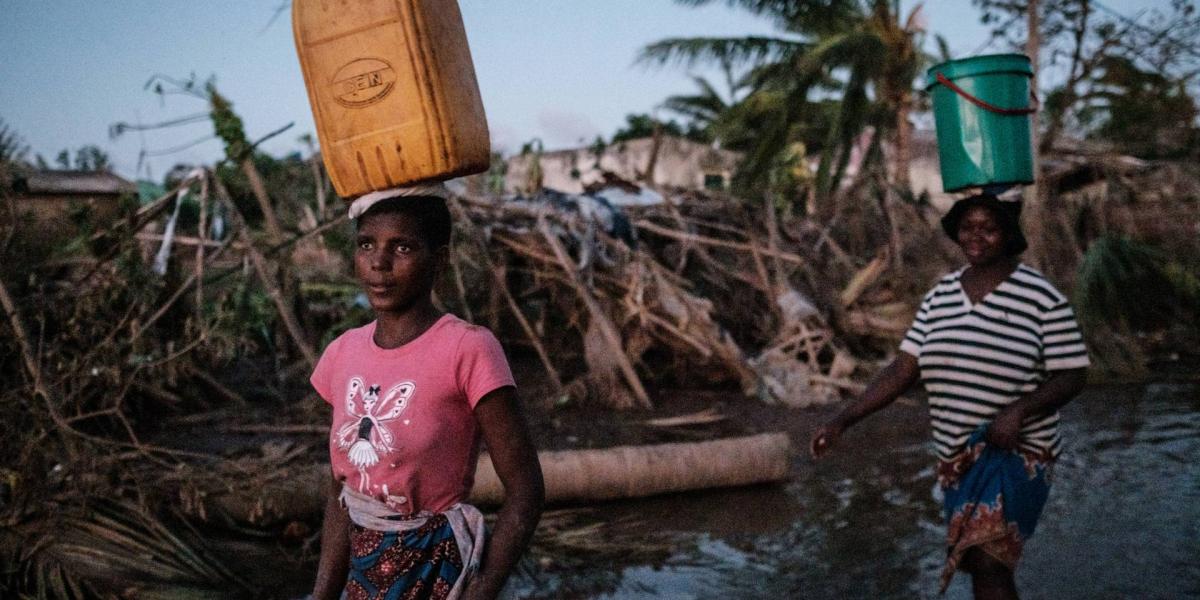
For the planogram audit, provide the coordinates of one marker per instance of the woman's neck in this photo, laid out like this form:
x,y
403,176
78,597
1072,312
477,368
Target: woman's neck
x,y
979,280
1000,268
396,329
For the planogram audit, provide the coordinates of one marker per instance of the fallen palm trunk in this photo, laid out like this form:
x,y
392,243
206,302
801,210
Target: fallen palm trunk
x,y
638,471
570,475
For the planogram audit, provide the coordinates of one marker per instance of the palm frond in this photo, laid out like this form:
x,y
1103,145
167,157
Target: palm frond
x,y
114,544
733,51
781,112
28,572
864,49
706,89
859,51
818,18
703,108
944,53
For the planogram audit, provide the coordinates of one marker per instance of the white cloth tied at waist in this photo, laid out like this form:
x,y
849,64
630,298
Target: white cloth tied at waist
x,y
365,201
465,521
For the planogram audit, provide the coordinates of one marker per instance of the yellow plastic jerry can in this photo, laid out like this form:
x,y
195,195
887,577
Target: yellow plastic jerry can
x,y
393,91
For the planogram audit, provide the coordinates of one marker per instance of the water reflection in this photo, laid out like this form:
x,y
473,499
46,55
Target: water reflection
x,y
1123,519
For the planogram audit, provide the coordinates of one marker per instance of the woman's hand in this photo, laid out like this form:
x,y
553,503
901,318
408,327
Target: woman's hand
x,y
826,436
1060,388
899,375
1005,430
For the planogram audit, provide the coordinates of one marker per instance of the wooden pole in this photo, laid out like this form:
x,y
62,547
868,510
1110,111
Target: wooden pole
x,y
720,243
652,162
1031,217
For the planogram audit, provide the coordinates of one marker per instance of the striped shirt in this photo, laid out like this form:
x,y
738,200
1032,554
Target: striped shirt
x,y
975,359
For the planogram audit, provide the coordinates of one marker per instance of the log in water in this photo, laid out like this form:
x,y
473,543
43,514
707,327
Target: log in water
x,y
638,471
570,475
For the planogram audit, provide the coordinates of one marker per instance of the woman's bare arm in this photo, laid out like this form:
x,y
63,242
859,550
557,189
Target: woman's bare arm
x,y
515,458
335,548
1054,393
892,381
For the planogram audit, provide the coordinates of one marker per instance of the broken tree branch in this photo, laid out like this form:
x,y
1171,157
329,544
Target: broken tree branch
x,y
290,322
607,329
711,241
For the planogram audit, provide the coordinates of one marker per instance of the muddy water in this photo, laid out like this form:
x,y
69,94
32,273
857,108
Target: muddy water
x,y
1123,520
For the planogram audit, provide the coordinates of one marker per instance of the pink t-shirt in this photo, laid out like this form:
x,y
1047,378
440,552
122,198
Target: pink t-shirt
x,y
403,429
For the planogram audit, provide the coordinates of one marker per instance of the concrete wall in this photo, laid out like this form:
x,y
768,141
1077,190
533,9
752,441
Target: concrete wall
x,y
681,163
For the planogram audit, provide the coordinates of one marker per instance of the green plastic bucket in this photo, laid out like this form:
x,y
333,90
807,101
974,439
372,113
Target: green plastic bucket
x,y
982,107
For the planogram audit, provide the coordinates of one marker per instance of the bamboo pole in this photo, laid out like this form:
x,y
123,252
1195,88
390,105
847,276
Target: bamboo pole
x,y
27,353
314,161
607,329
194,279
501,284
183,240
780,279
216,386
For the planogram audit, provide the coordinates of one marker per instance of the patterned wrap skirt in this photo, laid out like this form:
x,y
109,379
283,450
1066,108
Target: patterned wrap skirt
x,y
992,499
429,556
418,564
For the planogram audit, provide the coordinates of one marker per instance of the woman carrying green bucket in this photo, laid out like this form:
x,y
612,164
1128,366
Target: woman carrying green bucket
x,y
996,346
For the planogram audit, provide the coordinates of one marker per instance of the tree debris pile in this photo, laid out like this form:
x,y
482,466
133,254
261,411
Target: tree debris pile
x,y
162,389
698,291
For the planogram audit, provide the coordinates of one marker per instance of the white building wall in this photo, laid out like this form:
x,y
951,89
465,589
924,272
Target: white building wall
x,y
681,163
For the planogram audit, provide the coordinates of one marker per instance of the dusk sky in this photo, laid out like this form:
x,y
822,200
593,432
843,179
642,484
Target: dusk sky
x,y
559,70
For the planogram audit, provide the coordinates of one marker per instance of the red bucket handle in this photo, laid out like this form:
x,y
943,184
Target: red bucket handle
x,y
942,79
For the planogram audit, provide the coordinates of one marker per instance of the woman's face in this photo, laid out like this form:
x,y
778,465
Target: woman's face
x,y
394,263
981,236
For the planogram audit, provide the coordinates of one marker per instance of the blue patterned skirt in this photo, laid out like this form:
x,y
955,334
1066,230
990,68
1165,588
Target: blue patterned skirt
x,y
992,500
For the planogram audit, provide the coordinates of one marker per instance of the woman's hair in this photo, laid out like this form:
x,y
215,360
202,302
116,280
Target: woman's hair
x,y
431,213
1007,214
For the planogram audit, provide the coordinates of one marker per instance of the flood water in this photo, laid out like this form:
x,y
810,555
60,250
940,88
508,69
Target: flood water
x,y
1123,519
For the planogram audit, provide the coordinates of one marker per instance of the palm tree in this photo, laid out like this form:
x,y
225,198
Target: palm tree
x,y
856,50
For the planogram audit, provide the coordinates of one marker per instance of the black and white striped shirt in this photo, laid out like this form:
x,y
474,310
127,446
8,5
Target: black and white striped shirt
x,y
975,359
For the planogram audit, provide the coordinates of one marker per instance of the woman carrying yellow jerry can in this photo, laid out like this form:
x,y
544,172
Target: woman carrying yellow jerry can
x,y
414,393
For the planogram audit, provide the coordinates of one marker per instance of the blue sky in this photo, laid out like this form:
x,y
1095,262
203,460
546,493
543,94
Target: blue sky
x,y
559,70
